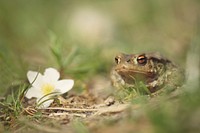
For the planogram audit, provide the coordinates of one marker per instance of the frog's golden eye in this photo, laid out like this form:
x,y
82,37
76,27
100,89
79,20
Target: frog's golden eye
x,y
117,59
142,59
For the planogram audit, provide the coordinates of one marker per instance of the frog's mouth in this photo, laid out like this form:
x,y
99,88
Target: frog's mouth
x,y
131,76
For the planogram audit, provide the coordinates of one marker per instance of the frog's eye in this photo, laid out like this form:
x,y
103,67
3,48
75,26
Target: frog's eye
x,y
142,59
117,59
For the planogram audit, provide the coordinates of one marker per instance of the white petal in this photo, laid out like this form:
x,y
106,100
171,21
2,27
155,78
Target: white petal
x,y
45,104
51,75
33,92
64,85
35,78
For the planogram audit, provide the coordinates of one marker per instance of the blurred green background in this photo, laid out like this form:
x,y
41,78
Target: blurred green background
x,y
97,29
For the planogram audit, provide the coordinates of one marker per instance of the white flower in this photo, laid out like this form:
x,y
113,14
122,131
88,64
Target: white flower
x,y
42,85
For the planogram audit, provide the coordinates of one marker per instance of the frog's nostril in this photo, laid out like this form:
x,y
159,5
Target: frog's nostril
x,y
129,61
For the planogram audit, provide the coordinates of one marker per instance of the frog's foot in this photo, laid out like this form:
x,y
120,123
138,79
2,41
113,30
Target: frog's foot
x,y
109,101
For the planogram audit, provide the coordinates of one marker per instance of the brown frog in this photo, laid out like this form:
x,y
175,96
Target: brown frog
x,y
152,69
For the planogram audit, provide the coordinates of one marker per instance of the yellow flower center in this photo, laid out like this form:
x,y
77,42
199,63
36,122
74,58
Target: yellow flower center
x,y
47,88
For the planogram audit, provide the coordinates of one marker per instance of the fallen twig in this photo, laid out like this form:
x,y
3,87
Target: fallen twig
x,y
69,114
97,111
71,109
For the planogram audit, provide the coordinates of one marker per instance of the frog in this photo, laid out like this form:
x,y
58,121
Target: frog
x,y
152,69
